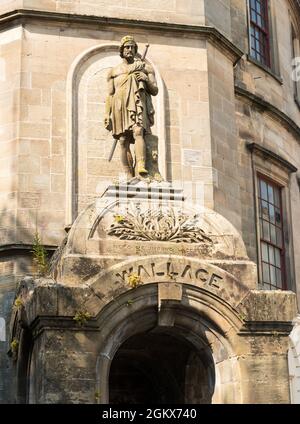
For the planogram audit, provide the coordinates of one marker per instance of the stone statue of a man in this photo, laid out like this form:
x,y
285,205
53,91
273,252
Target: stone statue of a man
x,y
129,109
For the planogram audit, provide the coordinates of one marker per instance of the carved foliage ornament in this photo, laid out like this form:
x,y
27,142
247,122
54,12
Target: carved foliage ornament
x,y
158,225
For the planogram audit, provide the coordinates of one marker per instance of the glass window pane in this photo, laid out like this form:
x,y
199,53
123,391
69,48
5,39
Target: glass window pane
x,y
253,16
266,231
277,197
264,252
271,194
261,229
257,46
263,190
277,217
277,258
259,208
279,237
273,275
266,273
265,210
258,20
279,277
258,8
273,234
271,255
272,213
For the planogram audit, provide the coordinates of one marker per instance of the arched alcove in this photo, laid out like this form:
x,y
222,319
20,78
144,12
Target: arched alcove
x,y
88,143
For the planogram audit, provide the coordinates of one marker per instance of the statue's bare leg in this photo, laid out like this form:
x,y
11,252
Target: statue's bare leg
x,y
140,149
126,157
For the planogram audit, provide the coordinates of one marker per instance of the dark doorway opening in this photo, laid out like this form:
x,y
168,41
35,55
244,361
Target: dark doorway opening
x,y
160,368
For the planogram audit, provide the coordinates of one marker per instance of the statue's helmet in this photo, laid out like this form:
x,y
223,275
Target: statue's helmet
x,y
127,39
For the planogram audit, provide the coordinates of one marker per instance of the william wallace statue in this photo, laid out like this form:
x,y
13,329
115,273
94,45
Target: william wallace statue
x,y
129,109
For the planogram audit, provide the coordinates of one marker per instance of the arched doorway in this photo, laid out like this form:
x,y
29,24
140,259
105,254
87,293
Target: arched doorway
x,y
194,331
161,367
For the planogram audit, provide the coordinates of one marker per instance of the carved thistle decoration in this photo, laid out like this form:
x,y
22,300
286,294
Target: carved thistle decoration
x,y
158,225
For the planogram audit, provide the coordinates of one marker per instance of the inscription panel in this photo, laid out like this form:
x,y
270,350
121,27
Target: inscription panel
x,y
192,157
196,273
113,248
170,271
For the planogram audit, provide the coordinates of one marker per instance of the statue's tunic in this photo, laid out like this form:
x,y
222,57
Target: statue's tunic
x,y
131,103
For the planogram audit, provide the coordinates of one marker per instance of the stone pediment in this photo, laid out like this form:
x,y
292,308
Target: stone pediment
x,y
139,217
138,220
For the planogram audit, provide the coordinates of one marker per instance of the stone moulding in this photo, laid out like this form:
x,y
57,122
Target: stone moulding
x,y
158,225
20,16
262,104
89,234
23,248
269,155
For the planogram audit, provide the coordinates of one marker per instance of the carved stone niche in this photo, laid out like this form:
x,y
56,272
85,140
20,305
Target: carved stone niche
x,y
88,142
139,220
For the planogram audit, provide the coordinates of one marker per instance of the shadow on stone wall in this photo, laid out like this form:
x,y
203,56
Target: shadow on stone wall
x,y
16,261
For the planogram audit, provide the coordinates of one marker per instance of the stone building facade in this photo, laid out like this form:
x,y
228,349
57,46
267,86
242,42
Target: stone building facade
x,y
172,317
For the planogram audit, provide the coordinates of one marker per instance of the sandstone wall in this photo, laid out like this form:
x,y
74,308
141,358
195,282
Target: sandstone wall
x,y
186,12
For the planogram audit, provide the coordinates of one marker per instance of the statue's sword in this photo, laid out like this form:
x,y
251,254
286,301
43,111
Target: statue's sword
x,y
116,141
113,149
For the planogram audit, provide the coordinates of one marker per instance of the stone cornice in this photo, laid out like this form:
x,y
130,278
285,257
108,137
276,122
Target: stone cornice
x,y
22,16
21,249
295,6
268,154
262,104
263,328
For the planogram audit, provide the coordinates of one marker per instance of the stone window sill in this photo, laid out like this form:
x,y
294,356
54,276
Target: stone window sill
x,y
269,71
297,101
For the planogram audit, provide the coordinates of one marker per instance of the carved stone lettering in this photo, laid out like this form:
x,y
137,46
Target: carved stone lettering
x,y
124,273
186,270
142,270
202,275
214,281
152,268
172,271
